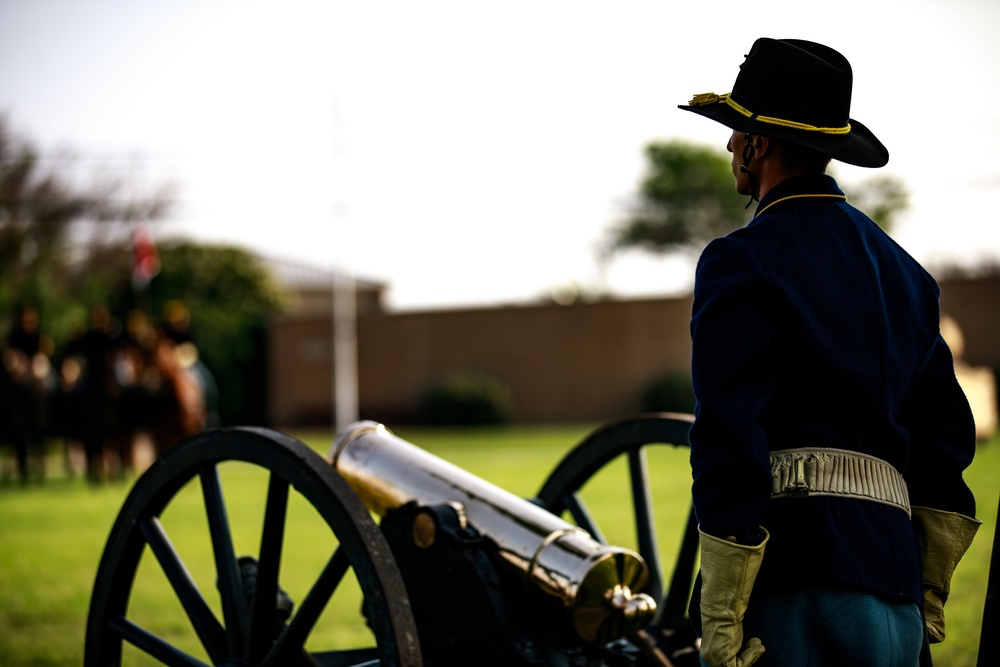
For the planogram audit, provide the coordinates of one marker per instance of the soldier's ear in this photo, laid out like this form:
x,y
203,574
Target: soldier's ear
x,y
761,144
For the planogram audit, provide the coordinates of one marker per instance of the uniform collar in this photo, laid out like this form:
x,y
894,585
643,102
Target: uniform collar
x,y
798,186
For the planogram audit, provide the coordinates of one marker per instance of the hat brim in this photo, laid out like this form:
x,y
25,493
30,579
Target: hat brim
x,y
859,147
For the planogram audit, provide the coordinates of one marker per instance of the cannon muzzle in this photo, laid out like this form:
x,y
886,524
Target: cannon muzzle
x,y
598,584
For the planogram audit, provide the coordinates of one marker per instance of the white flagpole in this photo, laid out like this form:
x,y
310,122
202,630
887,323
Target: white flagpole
x,y
345,350
345,336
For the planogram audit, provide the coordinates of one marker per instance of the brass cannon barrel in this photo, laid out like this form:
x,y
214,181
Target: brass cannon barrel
x,y
597,583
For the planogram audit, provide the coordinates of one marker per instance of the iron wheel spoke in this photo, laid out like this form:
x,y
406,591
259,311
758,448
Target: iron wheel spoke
x,y
294,636
581,515
645,524
146,641
675,604
234,608
205,624
262,615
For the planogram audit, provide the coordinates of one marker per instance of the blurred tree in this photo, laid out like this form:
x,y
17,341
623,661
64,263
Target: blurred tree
x,y
881,197
47,255
688,198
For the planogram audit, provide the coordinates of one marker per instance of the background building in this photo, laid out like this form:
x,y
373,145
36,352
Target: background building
x,y
588,361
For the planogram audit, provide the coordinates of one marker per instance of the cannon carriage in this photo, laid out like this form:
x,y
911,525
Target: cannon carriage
x,y
438,567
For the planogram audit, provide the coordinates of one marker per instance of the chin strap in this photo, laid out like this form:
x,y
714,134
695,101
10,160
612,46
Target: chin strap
x,y
748,151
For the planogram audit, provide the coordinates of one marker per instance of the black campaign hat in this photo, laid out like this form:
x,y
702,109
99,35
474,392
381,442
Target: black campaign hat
x,y
799,91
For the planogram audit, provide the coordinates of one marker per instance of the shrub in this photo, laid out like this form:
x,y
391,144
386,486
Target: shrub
x,y
670,392
466,398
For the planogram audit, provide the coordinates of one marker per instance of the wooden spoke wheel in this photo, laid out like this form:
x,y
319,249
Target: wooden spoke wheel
x,y
168,534
623,445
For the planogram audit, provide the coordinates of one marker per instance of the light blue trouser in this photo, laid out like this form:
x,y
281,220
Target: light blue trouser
x,y
820,627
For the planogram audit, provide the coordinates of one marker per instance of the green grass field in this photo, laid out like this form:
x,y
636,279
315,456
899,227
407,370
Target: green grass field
x,y
52,536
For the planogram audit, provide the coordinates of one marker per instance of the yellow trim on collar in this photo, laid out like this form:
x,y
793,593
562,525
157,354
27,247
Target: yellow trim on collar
x,y
705,99
778,201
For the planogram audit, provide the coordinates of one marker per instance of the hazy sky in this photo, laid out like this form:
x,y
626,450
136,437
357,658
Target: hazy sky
x,y
477,152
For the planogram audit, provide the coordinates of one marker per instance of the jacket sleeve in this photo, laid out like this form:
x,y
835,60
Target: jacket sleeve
x,y
733,377
942,437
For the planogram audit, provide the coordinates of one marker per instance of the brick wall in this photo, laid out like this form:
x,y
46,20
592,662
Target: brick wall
x,y
585,362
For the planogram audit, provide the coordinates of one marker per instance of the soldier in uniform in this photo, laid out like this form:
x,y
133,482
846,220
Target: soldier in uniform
x,y
831,434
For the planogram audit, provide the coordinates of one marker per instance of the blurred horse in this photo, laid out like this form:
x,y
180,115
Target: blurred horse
x,y
175,400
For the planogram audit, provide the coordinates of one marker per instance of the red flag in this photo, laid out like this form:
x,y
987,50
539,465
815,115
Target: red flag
x,y
145,259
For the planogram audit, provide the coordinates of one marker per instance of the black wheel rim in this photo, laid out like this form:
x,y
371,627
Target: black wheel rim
x,y
241,636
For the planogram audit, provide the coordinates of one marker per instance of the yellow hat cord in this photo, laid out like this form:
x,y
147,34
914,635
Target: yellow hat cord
x,y
704,99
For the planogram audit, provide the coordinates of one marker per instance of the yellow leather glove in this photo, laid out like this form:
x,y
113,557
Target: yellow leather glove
x,y
944,537
728,571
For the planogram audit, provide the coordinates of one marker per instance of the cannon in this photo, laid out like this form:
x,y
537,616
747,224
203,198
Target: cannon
x,y
433,565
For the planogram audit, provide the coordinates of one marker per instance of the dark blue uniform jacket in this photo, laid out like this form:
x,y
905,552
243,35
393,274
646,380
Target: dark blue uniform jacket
x,y
812,328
